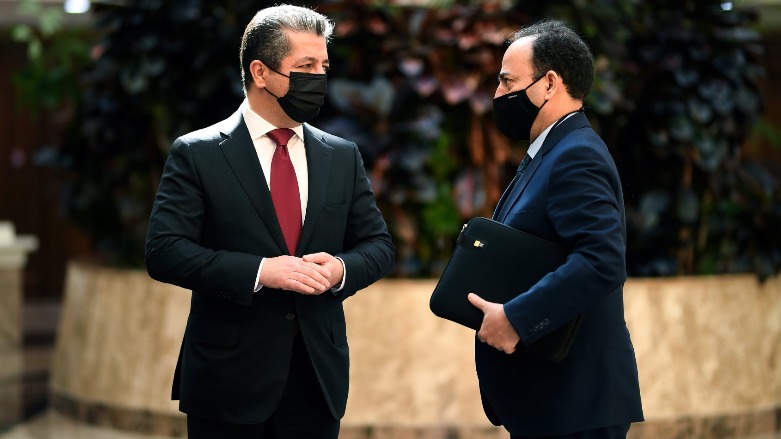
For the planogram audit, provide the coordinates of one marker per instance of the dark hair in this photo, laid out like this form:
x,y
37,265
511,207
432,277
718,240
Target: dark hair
x,y
265,39
557,47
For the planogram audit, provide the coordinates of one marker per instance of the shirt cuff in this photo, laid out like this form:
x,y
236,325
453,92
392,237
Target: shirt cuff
x,y
258,286
344,277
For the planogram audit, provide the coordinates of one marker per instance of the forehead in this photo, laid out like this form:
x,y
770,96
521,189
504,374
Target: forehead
x,y
306,45
517,58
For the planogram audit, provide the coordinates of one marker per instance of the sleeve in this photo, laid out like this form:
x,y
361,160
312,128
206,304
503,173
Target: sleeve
x,y
369,253
583,208
173,252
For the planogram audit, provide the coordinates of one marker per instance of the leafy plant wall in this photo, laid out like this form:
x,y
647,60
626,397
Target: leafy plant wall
x,y
675,97
698,205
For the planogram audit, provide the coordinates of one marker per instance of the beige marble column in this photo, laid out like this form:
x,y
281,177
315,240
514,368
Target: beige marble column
x,y
13,257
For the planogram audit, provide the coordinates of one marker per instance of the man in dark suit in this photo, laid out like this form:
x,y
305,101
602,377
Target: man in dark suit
x,y
272,224
567,190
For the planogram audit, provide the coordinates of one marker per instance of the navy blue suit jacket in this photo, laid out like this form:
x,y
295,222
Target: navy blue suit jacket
x,y
212,222
570,193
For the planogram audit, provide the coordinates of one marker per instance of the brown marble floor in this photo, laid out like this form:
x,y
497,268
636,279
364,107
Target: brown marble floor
x,y
52,425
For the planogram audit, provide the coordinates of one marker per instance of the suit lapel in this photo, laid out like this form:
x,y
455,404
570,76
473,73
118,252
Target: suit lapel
x,y
520,185
240,153
577,121
318,164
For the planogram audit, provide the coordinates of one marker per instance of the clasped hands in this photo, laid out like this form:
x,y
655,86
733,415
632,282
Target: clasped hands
x,y
496,330
311,274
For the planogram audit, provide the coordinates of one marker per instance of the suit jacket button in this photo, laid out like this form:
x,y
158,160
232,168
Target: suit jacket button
x,y
290,316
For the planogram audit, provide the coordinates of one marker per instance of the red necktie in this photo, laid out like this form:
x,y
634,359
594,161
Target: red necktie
x,y
284,189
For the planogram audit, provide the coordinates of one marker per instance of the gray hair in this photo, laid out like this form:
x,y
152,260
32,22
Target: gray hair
x,y
265,39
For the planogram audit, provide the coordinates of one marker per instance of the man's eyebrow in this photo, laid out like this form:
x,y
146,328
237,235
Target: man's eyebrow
x,y
309,59
502,75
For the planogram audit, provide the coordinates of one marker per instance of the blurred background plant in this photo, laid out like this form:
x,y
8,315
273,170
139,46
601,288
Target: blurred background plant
x,y
415,87
57,54
675,97
697,204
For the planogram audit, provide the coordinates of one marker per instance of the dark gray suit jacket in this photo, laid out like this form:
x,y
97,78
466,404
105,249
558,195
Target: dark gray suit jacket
x,y
212,222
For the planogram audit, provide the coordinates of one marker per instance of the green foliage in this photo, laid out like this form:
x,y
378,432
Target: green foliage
x,y
56,54
695,204
765,130
414,87
161,69
675,98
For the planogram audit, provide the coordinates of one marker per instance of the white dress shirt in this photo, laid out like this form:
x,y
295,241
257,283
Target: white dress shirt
x,y
265,147
537,144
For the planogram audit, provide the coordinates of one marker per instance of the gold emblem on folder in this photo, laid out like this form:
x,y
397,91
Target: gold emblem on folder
x,y
478,243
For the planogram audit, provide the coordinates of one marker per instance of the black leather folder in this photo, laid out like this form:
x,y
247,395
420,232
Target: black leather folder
x,y
498,262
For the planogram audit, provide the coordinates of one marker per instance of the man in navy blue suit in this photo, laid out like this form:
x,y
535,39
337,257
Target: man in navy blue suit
x,y
566,190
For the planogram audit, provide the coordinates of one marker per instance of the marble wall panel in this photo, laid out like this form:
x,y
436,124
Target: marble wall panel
x,y
118,339
408,364
10,309
10,388
706,345
707,349
10,346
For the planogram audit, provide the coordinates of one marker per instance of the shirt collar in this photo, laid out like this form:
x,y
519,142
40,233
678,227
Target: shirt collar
x,y
258,126
537,144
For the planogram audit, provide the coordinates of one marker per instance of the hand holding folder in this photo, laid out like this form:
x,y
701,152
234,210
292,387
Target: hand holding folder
x,y
498,262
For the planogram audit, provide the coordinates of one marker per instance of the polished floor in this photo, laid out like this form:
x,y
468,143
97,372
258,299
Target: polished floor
x,y
51,425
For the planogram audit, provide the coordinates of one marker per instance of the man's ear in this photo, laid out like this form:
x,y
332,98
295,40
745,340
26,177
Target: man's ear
x,y
259,72
554,82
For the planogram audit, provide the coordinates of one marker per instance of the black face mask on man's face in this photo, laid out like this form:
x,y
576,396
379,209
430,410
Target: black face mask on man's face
x,y
305,95
514,113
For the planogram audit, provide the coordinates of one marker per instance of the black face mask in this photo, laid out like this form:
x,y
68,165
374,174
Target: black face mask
x,y
305,95
514,113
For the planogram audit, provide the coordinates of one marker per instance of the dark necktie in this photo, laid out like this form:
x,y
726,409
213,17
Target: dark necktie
x,y
284,189
518,174
524,163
